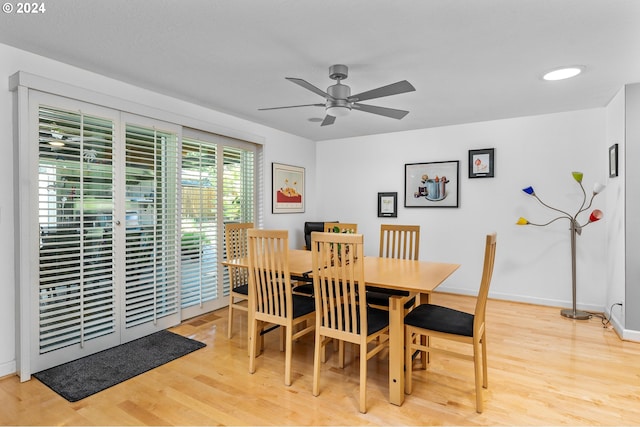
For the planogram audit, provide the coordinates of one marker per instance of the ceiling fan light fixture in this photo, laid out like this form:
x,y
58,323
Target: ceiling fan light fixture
x,y
338,111
563,73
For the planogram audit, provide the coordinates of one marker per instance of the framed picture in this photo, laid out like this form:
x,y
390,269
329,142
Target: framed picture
x,y
432,185
388,205
482,163
288,189
613,160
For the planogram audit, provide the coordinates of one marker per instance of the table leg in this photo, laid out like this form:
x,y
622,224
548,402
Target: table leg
x,y
396,350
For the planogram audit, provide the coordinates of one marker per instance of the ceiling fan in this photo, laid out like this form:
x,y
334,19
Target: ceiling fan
x,y
338,99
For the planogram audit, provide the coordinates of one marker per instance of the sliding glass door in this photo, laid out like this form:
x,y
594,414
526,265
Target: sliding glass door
x,y
107,219
217,186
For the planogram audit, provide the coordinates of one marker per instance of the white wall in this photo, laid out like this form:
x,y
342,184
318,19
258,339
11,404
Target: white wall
x,y
278,146
533,264
615,207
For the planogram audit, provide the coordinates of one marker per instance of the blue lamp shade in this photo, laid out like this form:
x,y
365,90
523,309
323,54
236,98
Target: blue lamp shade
x,y
529,191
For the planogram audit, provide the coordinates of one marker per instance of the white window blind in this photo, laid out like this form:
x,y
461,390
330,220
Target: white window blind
x,y
199,246
151,288
75,209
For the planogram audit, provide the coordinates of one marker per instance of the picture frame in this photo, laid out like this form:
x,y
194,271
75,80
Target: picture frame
x,y
613,161
288,191
432,184
388,205
482,163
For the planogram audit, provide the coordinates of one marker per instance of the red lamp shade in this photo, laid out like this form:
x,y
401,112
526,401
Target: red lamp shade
x,y
596,215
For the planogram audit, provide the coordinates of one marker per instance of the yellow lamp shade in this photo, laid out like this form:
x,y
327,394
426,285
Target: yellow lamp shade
x,y
522,221
577,176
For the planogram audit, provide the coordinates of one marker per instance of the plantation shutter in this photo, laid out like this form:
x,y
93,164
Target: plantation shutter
x,y
238,184
151,284
76,300
199,227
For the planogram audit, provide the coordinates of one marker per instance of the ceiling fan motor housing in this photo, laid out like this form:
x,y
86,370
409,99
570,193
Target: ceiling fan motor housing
x,y
338,72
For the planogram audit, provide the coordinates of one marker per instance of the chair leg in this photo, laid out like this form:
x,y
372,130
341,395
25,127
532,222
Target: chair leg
x,y
288,353
363,378
252,344
230,322
485,378
318,349
478,372
340,354
408,361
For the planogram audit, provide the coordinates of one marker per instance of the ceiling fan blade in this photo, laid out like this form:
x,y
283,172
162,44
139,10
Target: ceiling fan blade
x,y
305,84
328,120
292,106
392,89
381,111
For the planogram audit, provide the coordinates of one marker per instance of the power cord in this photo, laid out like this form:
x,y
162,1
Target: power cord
x,y
606,322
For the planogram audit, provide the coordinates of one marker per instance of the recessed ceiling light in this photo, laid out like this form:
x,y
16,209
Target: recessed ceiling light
x,y
563,73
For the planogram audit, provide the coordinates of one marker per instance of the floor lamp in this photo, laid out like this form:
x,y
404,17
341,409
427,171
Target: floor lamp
x,y
576,230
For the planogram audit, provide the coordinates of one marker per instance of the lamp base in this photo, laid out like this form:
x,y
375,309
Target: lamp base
x,y
575,314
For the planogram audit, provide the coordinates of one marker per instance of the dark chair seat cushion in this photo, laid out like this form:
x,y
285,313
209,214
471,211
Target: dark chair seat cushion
x,y
242,289
382,299
306,289
302,305
376,320
441,319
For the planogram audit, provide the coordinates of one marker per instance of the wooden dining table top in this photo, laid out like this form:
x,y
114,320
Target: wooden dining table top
x,y
400,274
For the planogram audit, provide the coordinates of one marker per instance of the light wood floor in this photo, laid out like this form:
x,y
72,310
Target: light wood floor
x,y
543,370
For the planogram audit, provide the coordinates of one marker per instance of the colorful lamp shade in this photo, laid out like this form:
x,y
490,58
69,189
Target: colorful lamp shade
x,y
529,191
522,221
577,176
596,215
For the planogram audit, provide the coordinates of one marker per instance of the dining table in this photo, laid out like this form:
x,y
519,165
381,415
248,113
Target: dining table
x,y
415,276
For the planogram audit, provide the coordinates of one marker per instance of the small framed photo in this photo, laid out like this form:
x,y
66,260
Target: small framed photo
x,y
482,163
388,205
432,185
288,189
613,161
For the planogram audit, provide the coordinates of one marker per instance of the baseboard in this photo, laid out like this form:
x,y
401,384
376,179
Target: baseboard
x,y
8,368
525,299
624,334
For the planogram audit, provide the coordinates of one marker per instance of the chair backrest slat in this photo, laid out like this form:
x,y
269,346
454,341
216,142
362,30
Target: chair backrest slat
x,y
338,278
269,271
400,241
487,274
237,247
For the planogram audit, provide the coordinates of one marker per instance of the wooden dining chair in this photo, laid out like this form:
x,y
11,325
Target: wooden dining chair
x,y
434,321
273,302
338,278
236,246
303,287
401,242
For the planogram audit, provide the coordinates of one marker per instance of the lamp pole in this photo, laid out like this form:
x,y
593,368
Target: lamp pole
x,y
572,313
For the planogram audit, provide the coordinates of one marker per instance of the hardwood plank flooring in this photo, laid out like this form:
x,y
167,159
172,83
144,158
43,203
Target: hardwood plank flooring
x,y
544,369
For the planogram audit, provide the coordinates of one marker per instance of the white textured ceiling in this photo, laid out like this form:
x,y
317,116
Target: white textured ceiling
x,y
469,60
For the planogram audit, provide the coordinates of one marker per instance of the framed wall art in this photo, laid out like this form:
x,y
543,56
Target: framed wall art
x,y
613,160
482,163
388,205
432,185
287,189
